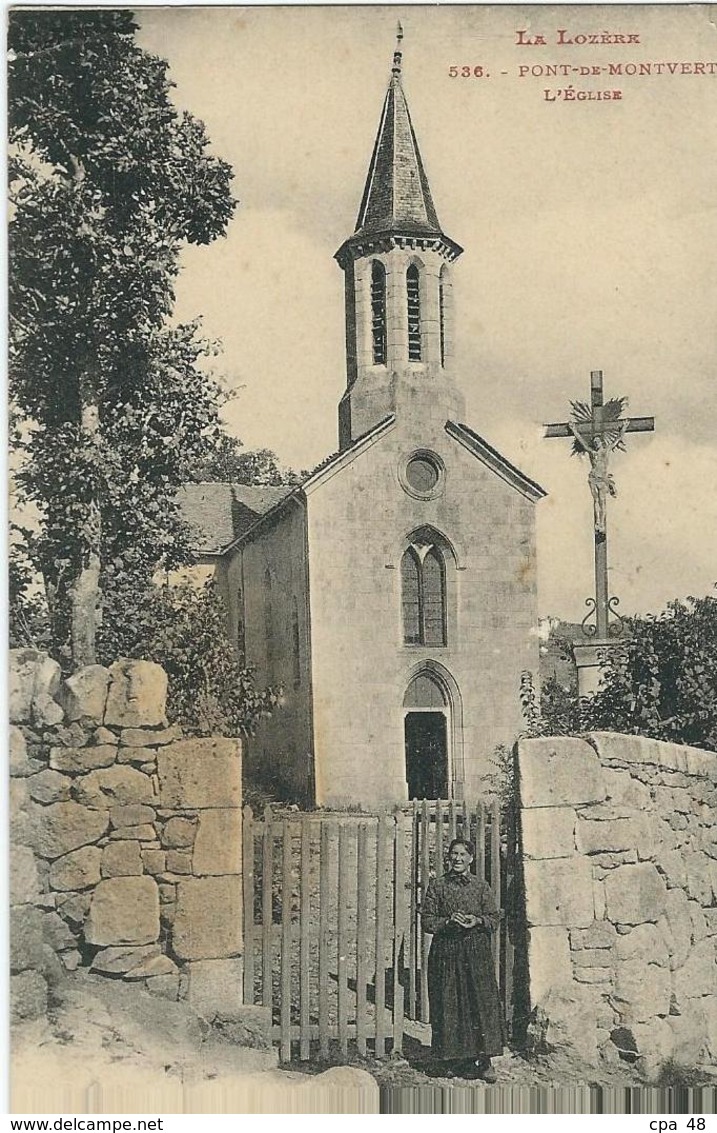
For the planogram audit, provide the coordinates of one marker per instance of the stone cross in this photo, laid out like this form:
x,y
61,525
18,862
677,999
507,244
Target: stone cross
x,y
597,430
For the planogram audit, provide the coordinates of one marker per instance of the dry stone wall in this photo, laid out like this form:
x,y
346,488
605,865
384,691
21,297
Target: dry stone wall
x,y
125,838
619,858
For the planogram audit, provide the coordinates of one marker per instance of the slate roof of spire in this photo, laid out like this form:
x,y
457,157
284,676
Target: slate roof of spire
x,y
397,197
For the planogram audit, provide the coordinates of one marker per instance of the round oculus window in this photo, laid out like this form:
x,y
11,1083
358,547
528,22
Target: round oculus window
x,y
422,474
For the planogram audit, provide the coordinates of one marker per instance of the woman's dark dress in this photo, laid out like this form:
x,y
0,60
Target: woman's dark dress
x,y
466,1012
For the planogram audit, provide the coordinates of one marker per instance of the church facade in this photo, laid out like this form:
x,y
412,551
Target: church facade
x,y
393,594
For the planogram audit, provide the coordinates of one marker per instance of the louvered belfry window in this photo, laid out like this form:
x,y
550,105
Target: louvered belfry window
x,y
378,312
414,314
442,316
423,594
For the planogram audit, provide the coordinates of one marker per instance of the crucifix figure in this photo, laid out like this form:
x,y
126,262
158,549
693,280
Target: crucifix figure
x,y
597,431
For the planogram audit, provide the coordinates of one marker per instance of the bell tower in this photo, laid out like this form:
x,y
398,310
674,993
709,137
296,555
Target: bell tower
x,y
397,268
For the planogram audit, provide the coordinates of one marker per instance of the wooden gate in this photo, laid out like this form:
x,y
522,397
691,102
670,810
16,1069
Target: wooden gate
x,y
332,937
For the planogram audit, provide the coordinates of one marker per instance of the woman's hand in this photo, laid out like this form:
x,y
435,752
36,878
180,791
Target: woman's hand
x,y
465,920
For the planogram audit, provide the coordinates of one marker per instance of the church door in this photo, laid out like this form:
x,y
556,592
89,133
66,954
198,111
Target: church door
x,y
426,755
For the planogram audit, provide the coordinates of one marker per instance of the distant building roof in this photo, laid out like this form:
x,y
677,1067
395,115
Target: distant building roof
x,y
220,512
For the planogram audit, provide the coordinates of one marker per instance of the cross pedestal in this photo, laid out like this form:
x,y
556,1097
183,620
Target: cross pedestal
x,y
587,655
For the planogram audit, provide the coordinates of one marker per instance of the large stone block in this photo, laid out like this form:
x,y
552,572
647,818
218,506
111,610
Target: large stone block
x,y
606,836
34,681
46,712
624,790
150,737
62,827
208,920
642,990
121,859
568,1021
200,773
559,771
645,943
559,892
218,845
635,893
77,870
119,959
549,961
114,786
135,815
24,878
77,760
548,832
84,694
215,986
49,787
137,695
179,833
124,910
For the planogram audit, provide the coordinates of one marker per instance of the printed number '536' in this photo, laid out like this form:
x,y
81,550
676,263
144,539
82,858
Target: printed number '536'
x,y
466,72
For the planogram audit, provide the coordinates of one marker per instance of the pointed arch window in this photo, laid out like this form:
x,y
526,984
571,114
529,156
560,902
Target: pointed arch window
x,y
378,312
413,296
423,595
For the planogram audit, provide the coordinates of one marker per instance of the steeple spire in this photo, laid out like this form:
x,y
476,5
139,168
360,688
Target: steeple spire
x,y
397,197
397,268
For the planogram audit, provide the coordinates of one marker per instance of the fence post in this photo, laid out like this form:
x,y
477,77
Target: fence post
x,y
380,982
267,912
343,939
480,841
304,930
285,1008
495,876
248,897
425,875
413,924
361,936
399,914
324,942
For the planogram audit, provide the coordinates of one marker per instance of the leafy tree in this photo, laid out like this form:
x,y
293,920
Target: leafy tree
x,y
183,629
108,182
661,681
227,461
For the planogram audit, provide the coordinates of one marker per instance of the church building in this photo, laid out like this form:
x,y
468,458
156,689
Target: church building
x,y
392,594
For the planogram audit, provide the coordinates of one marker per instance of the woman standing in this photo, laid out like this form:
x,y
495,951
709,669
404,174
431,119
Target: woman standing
x,y
466,1013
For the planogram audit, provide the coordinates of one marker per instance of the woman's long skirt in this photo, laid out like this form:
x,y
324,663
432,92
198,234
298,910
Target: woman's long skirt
x,y
466,1012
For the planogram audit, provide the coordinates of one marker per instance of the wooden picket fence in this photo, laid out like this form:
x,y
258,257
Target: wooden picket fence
x,y
332,937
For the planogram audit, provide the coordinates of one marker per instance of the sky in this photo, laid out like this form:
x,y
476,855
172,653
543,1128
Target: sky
x,y
589,229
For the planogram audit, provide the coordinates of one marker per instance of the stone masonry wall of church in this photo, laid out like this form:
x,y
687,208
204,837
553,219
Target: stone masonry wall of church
x,y
359,520
281,751
126,848
619,850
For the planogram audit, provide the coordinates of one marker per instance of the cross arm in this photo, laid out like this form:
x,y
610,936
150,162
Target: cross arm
x,y
632,425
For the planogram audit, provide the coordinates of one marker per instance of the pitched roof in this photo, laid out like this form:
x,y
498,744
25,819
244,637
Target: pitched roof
x,y
495,460
397,197
220,512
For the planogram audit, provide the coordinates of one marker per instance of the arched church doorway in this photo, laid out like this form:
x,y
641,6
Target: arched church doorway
x,y
426,715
